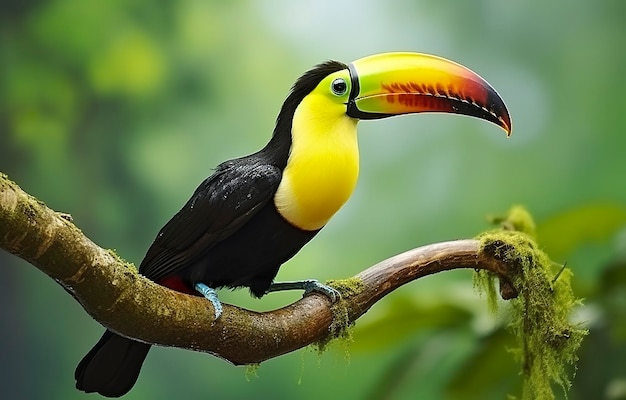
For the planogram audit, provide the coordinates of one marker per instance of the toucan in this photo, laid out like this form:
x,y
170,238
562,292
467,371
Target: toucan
x,y
254,213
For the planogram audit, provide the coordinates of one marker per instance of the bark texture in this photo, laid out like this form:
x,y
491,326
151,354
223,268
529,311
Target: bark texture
x,y
115,295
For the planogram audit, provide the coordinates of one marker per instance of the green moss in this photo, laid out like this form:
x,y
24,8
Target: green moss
x,y
127,264
484,283
341,326
517,219
252,371
540,318
347,287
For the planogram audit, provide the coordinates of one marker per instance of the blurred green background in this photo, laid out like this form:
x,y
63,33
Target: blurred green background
x,y
114,111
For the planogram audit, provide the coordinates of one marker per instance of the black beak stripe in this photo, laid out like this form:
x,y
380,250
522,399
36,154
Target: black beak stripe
x,y
355,88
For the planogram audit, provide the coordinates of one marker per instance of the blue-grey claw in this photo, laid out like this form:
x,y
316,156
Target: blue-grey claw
x,y
309,285
211,295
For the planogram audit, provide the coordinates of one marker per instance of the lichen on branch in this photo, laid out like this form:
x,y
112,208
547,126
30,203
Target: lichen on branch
x,y
114,293
540,317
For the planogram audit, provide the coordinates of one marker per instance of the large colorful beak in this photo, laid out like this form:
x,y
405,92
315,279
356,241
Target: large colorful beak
x,y
390,84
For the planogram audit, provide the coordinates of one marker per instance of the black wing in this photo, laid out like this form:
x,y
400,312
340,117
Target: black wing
x,y
222,204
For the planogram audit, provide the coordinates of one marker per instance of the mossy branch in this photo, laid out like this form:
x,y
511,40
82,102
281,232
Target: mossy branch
x,y
540,317
115,295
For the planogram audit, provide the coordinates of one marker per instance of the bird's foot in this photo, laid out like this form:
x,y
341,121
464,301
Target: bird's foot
x,y
309,286
211,295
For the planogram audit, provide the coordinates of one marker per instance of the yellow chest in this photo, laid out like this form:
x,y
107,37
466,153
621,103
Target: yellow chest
x,y
321,172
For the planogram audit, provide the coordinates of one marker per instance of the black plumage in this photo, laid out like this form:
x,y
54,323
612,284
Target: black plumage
x,y
254,213
229,234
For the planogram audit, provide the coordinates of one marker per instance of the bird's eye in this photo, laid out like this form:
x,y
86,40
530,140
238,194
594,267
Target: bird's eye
x,y
339,87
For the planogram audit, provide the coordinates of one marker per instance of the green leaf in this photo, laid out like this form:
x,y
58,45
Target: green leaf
x,y
489,371
567,231
406,317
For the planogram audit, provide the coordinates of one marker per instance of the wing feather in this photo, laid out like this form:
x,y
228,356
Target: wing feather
x,y
221,204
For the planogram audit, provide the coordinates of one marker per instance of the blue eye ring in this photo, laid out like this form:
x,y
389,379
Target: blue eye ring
x,y
339,87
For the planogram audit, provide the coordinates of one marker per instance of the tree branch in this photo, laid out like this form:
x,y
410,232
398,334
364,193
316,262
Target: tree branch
x,y
115,295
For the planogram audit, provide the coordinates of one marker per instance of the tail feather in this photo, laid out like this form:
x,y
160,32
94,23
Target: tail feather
x,y
112,367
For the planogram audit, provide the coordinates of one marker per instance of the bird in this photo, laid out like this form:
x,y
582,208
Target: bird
x,y
254,213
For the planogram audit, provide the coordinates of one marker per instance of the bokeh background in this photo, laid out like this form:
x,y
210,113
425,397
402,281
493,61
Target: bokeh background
x,y
114,111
